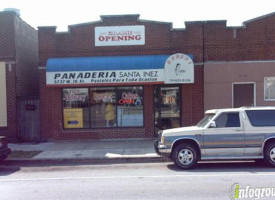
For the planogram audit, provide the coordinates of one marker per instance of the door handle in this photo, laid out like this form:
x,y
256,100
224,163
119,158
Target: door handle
x,y
198,135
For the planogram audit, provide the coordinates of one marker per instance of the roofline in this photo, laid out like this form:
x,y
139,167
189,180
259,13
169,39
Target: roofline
x,y
137,16
119,16
258,18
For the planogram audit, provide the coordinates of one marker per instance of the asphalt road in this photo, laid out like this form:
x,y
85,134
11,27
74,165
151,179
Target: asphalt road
x,y
73,181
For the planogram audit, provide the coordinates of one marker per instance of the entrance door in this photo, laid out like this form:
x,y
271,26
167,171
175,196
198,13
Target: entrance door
x,y
167,107
28,119
243,94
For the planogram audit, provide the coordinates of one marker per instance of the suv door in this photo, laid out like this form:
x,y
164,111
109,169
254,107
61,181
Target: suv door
x,y
225,137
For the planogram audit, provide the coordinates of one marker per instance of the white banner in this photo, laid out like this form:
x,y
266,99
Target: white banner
x,y
119,35
99,77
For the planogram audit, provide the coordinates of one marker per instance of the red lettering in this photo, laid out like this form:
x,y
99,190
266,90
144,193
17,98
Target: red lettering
x,y
126,101
120,38
107,38
138,37
132,37
101,38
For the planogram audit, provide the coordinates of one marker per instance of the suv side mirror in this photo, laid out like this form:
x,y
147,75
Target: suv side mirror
x,y
212,124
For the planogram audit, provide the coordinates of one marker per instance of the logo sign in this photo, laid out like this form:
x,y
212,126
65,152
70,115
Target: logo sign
x,y
119,35
248,192
130,98
179,68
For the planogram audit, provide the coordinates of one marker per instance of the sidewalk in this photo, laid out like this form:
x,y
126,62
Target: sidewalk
x,y
127,149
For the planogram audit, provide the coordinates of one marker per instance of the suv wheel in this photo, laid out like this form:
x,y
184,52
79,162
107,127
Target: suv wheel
x,y
270,154
185,156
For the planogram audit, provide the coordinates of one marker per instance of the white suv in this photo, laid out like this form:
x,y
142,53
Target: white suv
x,y
223,134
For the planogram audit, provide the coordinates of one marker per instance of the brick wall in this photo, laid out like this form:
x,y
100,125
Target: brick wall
x,y
7,43
19,49
253,41
79,41
26,47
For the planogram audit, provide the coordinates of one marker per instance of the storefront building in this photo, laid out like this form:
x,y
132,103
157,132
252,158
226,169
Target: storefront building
x,y
120,77
18,76
123,77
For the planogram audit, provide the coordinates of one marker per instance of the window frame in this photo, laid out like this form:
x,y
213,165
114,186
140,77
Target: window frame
x,y
238,113
267,89
89,105
90,116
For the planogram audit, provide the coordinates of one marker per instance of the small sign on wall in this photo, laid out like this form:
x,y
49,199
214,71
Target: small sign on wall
x,y
73,118
179,68
119,35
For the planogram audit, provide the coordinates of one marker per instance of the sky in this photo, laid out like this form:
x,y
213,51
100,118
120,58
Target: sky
x,y
62,13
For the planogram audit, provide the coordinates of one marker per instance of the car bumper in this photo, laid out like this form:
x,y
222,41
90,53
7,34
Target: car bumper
x,y
161,149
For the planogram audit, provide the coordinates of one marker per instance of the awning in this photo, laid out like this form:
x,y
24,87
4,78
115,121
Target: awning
x,y
106,63
116,70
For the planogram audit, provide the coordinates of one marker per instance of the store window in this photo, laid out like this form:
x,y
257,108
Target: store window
x,y
129,106
76,108
103,107
269,88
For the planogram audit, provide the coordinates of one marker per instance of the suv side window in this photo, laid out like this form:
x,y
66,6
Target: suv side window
x,y
228,120
261,117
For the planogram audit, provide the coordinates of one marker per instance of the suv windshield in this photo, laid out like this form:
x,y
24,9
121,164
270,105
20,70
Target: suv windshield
x,y
205,120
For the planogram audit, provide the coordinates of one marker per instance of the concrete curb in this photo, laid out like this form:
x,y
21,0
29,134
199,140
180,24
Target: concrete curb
x,y
122,160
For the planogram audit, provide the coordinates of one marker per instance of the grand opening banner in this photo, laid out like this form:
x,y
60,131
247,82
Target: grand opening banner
x,y
119,35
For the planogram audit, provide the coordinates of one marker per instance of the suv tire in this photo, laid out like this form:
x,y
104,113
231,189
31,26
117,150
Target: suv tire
x,y
269,154
185,156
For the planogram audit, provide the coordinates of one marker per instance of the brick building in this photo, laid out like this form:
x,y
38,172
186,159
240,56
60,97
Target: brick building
x,y
18,72
123,77
92,69
124,45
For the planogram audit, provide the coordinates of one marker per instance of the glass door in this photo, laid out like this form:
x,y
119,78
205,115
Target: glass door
x,y
166,107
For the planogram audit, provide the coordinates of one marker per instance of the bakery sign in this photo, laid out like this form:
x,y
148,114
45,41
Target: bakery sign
x,y
179,68
119,35
159,69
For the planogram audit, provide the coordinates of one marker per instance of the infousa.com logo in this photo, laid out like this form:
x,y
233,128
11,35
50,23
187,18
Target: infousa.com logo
x,y
247,192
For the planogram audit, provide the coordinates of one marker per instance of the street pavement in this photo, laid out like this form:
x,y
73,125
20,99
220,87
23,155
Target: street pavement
x,y
135,149
159,180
